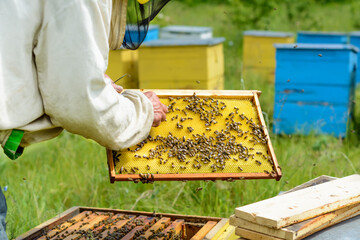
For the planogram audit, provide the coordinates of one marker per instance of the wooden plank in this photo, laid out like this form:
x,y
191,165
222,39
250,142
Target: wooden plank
x,y
159,226
301,229
39,230
248,234
218,229
146,222
175,228
204,230
287,209
353,212
312,182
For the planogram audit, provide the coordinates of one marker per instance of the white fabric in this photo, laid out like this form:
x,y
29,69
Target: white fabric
x,y
53,55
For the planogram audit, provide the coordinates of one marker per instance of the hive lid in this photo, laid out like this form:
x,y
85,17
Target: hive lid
x,y
355,33
208,135
267,33
322,33
151,27
298,46
186,29
184,42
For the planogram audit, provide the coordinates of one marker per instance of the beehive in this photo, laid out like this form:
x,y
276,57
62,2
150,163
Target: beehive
x,y
182,64
124,61
314,88
174,32
99,223
208,135
259,52
355,40
322,37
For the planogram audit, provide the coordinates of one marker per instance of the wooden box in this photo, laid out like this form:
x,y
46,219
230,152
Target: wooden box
x,y
322,37
208,135
124,61
314,88
182,64
98,223
355,40
175,31
259,52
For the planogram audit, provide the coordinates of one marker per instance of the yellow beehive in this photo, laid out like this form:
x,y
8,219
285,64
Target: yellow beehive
x,y
122,62
259,52
182,64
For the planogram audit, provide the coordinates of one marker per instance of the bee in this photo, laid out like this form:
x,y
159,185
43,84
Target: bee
x,y
258,162
199,189
240,169
320,55
148,167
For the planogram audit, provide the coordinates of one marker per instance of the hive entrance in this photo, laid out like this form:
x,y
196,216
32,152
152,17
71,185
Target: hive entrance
x,y
207,135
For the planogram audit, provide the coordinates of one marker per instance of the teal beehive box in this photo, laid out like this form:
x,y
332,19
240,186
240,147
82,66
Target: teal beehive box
x,y
314,88
355,40
322,37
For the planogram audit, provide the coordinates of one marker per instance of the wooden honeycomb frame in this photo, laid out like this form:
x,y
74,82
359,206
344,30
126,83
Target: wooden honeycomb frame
x,y
193,227
230,94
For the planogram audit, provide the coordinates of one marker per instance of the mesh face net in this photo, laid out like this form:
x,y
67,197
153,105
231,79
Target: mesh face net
x,y
138,19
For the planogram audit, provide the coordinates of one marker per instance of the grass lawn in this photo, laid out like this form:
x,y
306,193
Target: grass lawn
x,y
72,171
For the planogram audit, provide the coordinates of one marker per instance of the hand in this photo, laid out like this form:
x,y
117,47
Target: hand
x,y
118,88
160,109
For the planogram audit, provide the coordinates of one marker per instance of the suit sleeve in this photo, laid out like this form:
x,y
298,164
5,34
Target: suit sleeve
x,y
71,58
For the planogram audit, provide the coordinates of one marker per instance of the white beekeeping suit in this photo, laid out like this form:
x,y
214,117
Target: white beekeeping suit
x,y
53,55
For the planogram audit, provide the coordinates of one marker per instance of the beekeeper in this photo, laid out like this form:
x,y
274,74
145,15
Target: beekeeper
x,y
53,56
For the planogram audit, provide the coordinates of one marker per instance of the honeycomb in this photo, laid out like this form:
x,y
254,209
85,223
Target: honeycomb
x,y
202,134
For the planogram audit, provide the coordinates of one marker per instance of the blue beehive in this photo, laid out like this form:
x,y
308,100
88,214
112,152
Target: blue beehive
x,y
355,40
314,88
322,37
152,34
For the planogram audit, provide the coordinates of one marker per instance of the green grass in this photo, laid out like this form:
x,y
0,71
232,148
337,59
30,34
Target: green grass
x,y
71,171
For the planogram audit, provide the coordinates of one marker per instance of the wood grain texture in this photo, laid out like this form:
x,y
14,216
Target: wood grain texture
x,y
204,230
218,229
248,234
301,229
287,209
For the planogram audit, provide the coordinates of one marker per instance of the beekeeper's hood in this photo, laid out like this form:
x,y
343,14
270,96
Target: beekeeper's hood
x,y
132,18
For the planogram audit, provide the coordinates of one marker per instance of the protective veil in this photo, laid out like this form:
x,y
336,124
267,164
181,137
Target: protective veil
x,y
139,15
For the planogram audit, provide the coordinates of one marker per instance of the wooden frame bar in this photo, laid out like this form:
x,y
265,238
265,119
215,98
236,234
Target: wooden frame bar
x,y
36,232
224,94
